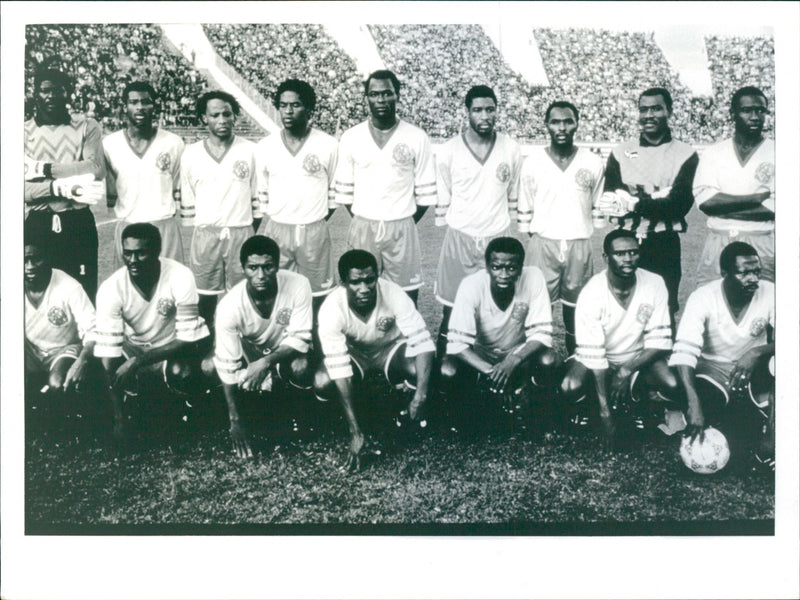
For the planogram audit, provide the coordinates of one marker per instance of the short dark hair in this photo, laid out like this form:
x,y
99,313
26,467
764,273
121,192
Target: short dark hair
x,y
479,91
727,258
53,75
615,235
139,86
748,90
506,245
383,74
145,232
356,259
658,91
202,101
561,104
260,245
302,88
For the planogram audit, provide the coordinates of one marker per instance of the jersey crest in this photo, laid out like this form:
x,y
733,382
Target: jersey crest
x,y
163,161
384,324
583,178
283,316
241,169
402,155
644,313
166,307
520,311
765,172
503,172
311,164
57,316
757,327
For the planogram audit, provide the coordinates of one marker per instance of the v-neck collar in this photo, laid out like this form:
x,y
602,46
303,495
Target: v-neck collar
x,y
146,148
44,294
557,164
743,314
155,287
630,298
255,307
472,152
224,154
372,129
743,163
374,310
302,144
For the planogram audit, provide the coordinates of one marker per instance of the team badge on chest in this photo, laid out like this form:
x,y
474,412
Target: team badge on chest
x,y
520,311
765,172
757,327
584,179
402,155
284,316
384,324
163,161
57,316
644,312
241,169
166,307
311,164
503,172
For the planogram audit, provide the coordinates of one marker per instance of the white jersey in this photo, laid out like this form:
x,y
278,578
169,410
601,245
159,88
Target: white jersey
x,y
123,314
708,330
219,192
65,315
393,318
478,322
145,182
296,189
606,332
237,320
719,170
385,184
557,204
474,196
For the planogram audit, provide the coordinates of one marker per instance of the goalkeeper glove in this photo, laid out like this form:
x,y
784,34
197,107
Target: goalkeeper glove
x,y
79,188
36,169
617,204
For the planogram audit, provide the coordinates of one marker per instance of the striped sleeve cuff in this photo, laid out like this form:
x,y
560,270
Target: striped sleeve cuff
x,y
300,340
419,342
685,353
189,327
338,365
458,341
227,369
592,357
108,344
658,338
344,192
332,204
540,332
425,194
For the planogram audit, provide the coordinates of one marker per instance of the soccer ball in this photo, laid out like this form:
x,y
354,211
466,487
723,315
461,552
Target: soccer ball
x,y
709,456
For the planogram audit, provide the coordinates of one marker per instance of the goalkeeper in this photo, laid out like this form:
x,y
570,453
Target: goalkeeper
x,y
648,190
64,172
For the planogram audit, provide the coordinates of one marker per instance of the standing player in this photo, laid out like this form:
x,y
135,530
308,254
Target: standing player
x,y
723,347
477,183
622,331
146,315
386,172
218,181
64,167
561,184
295,188
502,328
735,187
144,169
370,324
59,322
263,326
649,181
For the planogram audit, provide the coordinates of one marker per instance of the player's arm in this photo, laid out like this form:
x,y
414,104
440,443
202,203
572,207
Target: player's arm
x,y
128,369
333,161
344,177
527,194
187,194
258,369
462,330
419,346
444,185
176,177
111,183
743,368
81,307
722,204
674,202
255,203
620,382
345,389
424,178
239,438
757,213
695,419
92,158
512,192
613,179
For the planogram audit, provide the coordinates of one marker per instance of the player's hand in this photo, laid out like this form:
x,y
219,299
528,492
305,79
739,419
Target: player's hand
x,y
241,445
34,169
254,376
75,375
501,372
80,188
608,430
416,406
742,369
125,373
662,193
617,204
620,384
353,462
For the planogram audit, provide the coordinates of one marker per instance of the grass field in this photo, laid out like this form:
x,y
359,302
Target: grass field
x,y
473,475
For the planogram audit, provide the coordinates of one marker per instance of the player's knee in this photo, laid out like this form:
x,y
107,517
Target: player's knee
x,y
55,380
323,385
571,385
448,371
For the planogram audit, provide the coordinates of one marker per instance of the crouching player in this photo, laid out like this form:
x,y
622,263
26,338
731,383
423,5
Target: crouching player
x,y
370,324
147,319
263,328
623,337
723,349
501,328
59,323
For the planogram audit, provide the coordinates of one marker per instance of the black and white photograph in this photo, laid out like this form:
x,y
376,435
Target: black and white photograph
x,y
402,298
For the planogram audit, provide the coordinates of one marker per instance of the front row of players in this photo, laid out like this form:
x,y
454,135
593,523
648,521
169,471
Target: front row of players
x,y
500,336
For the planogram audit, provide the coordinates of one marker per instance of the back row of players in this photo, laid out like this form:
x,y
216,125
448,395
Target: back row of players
x,y
384,172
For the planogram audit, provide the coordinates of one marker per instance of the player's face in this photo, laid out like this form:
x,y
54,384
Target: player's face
x,y
623,257
139,257
745,275
219,118
261,272
504,270
36,265
653,115
51,97
362,287
482,115
750,114
294,115
561,125
382,99
140,108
